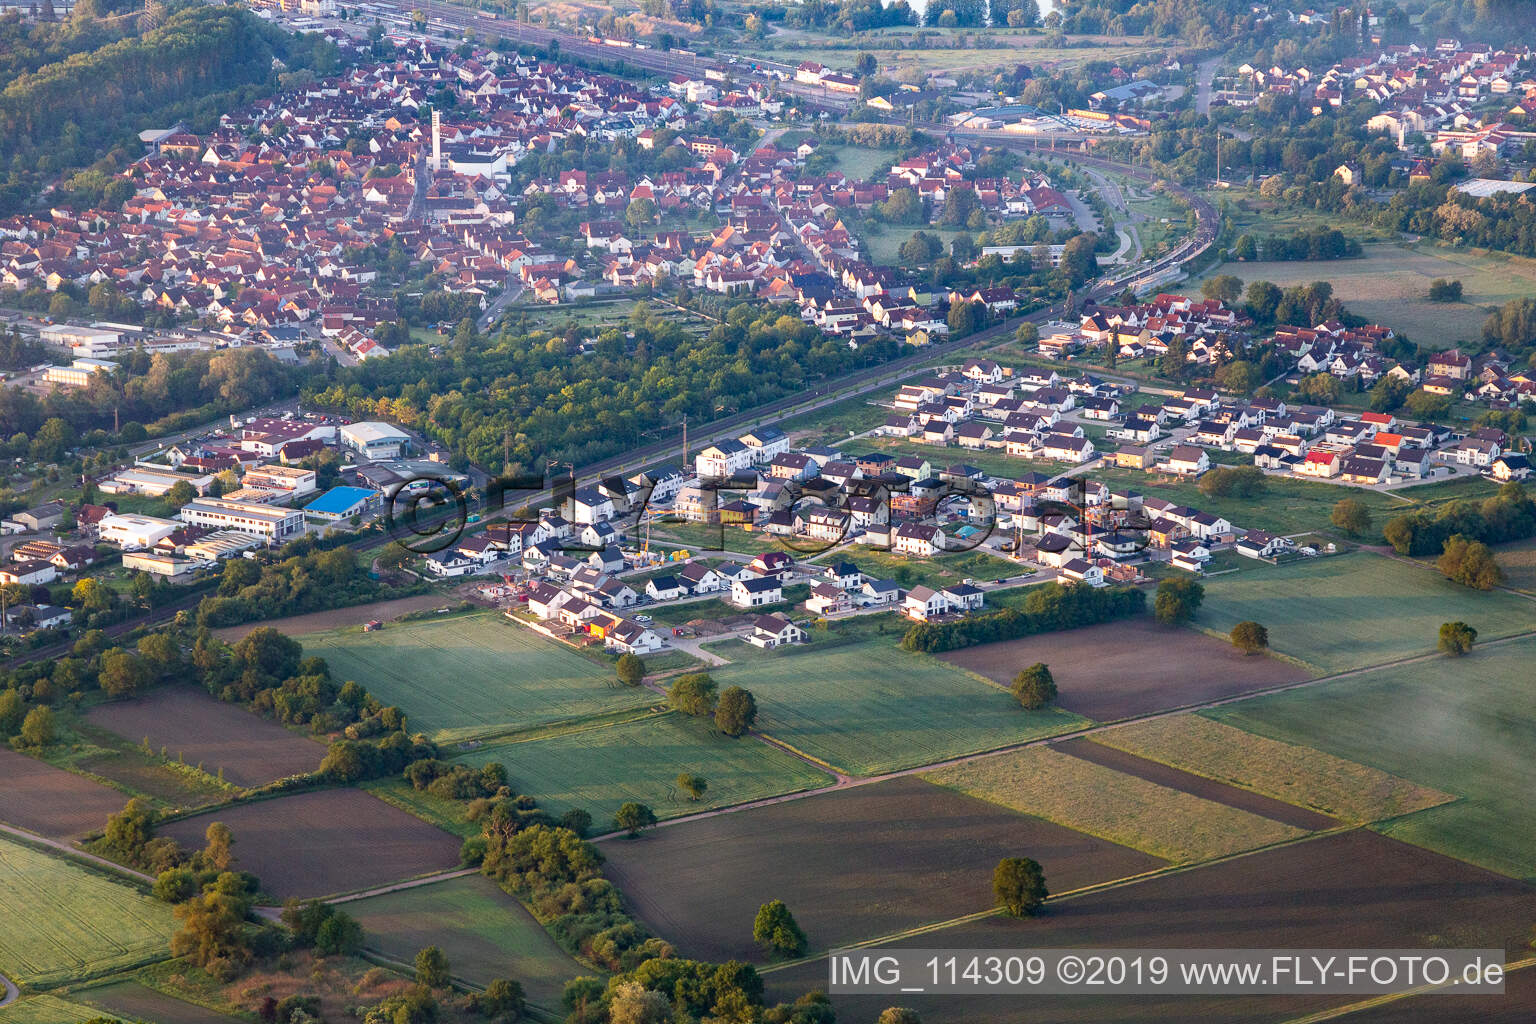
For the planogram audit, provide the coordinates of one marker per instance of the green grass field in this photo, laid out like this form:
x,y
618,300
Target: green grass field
x,y
993,461
1466,727
1287,507
862,164
471,675
1298,775
1356,610
1176,826
485,933
939,571
835,423
884,246
700,537
865,706
600,768
46,1009
63,923
1390,285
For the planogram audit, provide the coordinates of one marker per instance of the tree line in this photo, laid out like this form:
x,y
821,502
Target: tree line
x,y
1507,516
1045,610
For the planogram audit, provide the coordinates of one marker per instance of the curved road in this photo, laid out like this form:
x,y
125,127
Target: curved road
x,y
9,994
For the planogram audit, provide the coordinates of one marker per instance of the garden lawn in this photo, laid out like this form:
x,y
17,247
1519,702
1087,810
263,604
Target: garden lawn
x,y
938,572
1352,611
471,676
62,923
867,706
704,537
1287,507
485,933
1298,775
1467,727
597,769
1100,801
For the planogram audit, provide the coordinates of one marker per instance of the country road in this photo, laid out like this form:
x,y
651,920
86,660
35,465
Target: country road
x,y
75,852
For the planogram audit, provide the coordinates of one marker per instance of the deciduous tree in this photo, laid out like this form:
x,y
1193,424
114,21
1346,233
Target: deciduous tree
x,y
634,818
1019,886
1177,601
1352,516
1034,687
776,930
630,669
1249,637
736,711
692,694
432,968
1457,638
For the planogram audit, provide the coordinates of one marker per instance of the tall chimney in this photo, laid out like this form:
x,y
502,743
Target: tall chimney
x,y
437,141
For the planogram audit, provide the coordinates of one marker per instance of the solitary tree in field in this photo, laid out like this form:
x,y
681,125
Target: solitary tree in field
x,y
692,694
1019,885
1034,687
736,711
630,669
634,818
776,931
1351,516
432,968
1250,637
692,785
1457,638
1177,601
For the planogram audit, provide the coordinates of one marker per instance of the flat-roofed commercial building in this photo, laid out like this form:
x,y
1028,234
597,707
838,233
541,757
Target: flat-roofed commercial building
x,y
93,342
79,373
376,440
269,522
129,531
162,563
153,483
287,480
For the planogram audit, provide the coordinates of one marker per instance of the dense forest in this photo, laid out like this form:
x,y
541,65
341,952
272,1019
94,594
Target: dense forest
x,y
554,397
162,392
200,62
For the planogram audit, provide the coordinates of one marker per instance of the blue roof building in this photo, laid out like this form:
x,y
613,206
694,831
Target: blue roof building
x,y
342,503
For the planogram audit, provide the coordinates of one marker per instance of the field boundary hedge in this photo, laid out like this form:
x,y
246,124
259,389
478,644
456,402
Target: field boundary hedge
x,y
1048,609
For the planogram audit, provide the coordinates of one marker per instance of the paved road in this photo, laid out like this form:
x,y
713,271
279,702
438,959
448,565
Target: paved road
x,y
1204,77
9,994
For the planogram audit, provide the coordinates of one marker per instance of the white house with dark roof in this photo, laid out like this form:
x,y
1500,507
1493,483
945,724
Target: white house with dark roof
x,y
769,631
917,539
756,591
924,603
